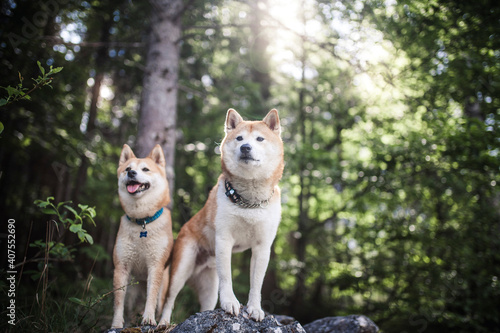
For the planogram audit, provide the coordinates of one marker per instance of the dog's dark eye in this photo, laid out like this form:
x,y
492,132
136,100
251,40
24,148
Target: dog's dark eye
x,y
145,169
127,169
239,138
260,139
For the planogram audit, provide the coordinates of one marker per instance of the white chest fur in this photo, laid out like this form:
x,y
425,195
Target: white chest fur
x,y
138,252
247,227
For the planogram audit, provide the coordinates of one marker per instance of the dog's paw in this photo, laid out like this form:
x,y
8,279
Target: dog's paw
x,y
117,323
255,312
163,322
148,319
230,305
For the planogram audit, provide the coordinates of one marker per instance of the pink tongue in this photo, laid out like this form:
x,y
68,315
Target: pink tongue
x,y
133,188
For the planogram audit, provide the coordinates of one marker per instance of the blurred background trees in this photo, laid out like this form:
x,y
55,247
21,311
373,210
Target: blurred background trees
x,y
390,114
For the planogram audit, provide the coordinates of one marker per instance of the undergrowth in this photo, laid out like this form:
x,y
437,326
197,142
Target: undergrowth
x,y
54,295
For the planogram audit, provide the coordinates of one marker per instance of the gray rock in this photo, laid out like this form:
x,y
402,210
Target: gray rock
x,y
348,324
284,320
218,321
140,329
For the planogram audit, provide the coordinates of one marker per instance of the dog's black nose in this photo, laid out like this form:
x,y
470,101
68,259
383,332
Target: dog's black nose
x,y
245,148
132,173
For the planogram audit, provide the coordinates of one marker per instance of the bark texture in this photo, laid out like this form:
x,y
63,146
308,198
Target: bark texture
x,y
158,115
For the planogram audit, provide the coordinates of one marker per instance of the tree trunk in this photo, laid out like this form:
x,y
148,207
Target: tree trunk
x,y
158,117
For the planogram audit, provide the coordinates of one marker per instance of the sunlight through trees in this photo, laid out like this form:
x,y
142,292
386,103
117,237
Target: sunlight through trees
x,y
390,115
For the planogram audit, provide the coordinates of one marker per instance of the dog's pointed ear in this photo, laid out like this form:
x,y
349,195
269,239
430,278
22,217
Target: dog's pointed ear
x,y
233,118
157,156
126,154
272,120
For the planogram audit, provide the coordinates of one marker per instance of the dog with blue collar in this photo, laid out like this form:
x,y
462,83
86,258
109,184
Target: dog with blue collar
x,y
144,240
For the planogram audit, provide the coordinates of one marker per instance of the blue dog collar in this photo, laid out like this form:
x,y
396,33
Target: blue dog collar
x,y
146,220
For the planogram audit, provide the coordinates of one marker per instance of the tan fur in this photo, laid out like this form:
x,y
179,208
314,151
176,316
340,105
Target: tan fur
x,y
202,252
145,257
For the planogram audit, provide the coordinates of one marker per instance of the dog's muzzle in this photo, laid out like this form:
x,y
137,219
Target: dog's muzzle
x,y
133,186
246,153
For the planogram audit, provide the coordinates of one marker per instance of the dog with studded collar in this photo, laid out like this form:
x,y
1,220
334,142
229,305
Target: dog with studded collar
x,y
144,240
242,212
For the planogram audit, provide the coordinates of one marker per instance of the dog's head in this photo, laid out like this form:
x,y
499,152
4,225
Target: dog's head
x,y
252,149
142,181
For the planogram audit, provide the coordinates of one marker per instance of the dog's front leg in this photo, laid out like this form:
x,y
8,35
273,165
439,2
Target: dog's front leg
x,y
155,273
223,249
258,267
120,280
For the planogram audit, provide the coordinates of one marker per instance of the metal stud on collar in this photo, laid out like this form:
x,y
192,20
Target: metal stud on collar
x,y
238,200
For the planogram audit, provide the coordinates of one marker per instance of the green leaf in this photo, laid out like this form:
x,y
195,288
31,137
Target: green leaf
x,y
81,235
76,300
83,207
42,204
3,101
92,212
39,203
38,243
1,126
56,70
72,210
89,213
91,220
41,67
49,211
76,228
63,203
89,239
12,91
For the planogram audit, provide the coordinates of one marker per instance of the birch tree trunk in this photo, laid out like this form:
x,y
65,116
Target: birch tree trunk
x,y
158,114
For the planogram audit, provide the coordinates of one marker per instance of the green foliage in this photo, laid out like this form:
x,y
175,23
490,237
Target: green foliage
x,y
19,92
61,313
390,122
65,218
56,250
74,223
45,313
90,302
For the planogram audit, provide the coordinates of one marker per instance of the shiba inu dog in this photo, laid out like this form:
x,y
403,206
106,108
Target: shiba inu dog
x,y
242,211
144,240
